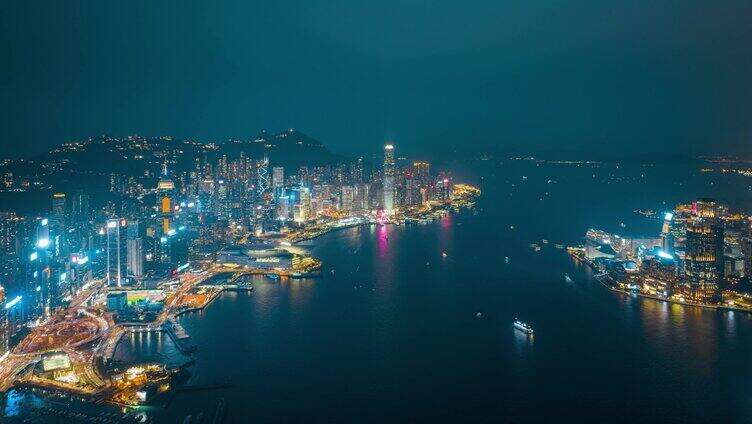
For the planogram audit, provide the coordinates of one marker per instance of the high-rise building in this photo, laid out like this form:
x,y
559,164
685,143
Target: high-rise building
x,y
660,271
746,245
58,209
263,177
80,211
348,197
443,188
304,177
4,325
10,225
422,173
356,171
704,253
361,197
302,206
389,172
278,177
283,208
135,264
116,253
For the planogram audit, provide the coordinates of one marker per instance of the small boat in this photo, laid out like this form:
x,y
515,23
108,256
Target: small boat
x,y
273,277
567,278
478,315
506,259
443,254
525,328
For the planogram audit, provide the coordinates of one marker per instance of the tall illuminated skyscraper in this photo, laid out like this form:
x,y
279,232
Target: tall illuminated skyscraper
x,y
356,171
302,206
58,209
422,173
135,250
263,176
116,253
704,252
389,172
278,177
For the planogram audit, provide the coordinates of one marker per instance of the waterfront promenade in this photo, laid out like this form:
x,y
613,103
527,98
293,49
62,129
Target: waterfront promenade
x,y
732,301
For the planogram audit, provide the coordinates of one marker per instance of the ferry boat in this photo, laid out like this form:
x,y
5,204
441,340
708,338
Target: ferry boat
x,y
523,327
567,278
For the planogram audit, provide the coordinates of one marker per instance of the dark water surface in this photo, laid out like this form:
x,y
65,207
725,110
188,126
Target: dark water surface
x,y
393,333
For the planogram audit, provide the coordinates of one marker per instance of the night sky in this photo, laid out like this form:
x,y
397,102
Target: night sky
x,y
602,76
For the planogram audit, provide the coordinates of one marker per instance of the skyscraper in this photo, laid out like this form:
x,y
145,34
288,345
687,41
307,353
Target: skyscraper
x,y
58,209
116,253
135,265
263,176
704,252
389,172
278,177
135,250
356,171
80,211
348,198
302,206
4,325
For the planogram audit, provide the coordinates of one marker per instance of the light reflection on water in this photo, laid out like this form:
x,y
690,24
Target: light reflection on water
x,y
391,334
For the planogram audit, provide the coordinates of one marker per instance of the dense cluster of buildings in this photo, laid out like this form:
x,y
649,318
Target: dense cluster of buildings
x,y
154,222
703,251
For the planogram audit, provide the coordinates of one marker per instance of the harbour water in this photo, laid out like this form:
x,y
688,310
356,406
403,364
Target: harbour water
x,y
395,334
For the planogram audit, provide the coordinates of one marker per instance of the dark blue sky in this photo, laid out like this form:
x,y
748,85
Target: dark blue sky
x,y
536,75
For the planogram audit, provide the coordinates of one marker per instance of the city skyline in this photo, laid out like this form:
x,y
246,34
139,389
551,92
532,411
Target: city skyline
x,y
402,211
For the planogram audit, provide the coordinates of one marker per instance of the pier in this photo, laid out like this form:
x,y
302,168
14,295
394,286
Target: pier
x,y
178,334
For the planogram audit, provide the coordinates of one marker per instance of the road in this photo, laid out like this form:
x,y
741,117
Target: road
x,y
83,360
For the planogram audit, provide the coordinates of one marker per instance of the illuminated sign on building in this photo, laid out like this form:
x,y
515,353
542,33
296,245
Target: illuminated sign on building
x,y
268,260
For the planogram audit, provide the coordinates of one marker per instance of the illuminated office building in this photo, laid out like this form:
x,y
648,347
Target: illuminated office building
x,y
302,204
389,173
135,249
356,171
135,263
704,253
348,198
660,272
283,208
58,209
278,177
116,253
422,173
263,177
